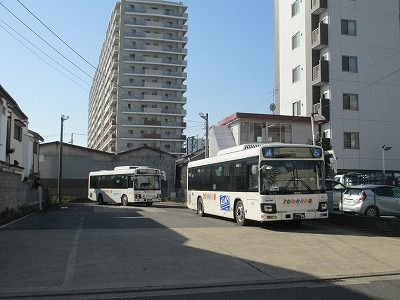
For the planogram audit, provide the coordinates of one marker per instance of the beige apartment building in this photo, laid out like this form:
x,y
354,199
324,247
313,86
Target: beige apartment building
x,y
137,97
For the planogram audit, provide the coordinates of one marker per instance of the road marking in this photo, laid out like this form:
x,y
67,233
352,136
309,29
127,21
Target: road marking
x,y
69,273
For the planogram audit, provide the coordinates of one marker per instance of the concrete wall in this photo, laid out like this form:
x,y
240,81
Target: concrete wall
x,y
79,161
14,193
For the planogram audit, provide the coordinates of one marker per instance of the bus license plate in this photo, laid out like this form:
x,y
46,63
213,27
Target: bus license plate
x,y
299,216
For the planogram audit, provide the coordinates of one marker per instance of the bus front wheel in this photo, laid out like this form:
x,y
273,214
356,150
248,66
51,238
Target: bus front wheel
x,y
100,199
240,215
124,200
200,207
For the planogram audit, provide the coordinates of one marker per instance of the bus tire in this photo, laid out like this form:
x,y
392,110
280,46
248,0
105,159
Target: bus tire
x,y
200,207
148,204
124,200
240,215
100,199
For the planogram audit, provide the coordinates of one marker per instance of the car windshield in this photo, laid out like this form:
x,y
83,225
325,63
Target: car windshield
x,y
147,182
292,177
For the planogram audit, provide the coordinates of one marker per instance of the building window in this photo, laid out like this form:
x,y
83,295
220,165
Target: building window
x,y
351,140
296,40
167,146
296,74
349,27
35,147
350,101
349,64
295,8
296,106
18,132
280,133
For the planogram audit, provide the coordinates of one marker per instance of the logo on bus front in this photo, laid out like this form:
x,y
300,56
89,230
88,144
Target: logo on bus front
x,y
224,202
298,201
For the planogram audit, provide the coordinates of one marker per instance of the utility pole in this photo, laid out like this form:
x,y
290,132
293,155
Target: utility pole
x,y
72,139
384,148
63,118
312,129
205,118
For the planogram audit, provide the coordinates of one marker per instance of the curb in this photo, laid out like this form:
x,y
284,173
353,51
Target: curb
x,y
16,220
131,290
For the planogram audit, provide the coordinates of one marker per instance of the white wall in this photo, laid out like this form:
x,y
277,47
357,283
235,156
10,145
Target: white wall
x,y
377,47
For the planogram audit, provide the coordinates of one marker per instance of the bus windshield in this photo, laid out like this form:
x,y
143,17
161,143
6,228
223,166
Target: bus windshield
x,y
147,182
292,177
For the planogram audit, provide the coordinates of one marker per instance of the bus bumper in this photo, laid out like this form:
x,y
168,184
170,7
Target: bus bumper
x,y
294,216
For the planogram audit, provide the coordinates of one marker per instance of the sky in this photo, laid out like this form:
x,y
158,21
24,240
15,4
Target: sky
x,y
230,60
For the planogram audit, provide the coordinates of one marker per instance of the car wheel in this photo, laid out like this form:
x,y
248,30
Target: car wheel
x,y
200,207
124,200
148,204
100,199
372,211
240,215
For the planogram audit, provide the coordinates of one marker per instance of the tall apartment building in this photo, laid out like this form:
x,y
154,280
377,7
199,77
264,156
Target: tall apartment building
x,y
341,59
137,96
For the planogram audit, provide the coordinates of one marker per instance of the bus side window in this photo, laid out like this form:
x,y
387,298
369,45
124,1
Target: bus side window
x,y
238,176
131,180
252,175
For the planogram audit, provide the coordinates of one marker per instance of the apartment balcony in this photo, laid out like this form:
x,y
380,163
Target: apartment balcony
x,y
320,73
319,37
151,136
157,111
155,85
163,13
152,122
318,6
156,60
322,109
156,73
156,24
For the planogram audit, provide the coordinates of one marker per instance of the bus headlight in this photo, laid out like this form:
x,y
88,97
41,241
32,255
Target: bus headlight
x,y
323,206
268,208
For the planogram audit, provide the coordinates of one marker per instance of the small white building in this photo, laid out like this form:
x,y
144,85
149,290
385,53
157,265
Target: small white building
x,y
19,146
243,128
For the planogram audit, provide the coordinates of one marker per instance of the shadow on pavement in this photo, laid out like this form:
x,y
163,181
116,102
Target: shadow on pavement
x,y
82,251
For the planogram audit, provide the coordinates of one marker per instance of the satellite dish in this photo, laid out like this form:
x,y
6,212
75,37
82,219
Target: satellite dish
x,y
272,107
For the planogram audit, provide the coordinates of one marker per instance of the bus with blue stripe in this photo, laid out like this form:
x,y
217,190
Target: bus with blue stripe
x,y
261,182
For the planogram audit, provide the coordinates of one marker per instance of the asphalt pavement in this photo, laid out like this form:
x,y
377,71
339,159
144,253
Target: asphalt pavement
x,y
87,251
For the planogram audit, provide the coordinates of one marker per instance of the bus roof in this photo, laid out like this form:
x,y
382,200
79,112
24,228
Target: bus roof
x,y
124,170
241,152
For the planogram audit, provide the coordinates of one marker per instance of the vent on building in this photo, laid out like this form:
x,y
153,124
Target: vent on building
x,y
239,148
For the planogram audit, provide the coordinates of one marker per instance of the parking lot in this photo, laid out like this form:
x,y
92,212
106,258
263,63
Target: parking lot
x,y
87,249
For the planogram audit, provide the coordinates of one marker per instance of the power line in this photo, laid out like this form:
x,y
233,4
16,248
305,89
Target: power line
x,y
56,35
44,53
65,43
65,75
47,43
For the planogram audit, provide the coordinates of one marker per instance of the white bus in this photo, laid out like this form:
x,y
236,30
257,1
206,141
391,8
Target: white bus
x,y
261,182
126,185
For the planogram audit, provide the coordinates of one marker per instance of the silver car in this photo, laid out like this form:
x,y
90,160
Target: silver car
x,y
372,200
334,190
